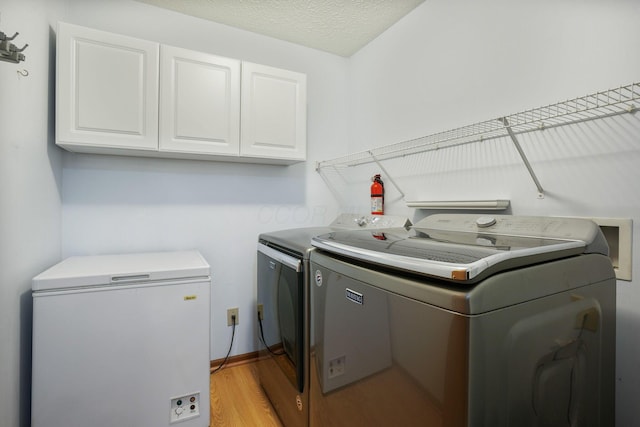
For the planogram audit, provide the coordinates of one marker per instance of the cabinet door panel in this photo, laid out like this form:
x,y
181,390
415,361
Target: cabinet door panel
x,y
199,102
273,113
107,90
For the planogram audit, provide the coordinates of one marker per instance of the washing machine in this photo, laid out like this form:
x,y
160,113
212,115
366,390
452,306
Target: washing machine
x,y
464,320
283,334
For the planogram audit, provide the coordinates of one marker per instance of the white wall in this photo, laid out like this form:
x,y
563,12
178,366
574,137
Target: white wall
x,y
118,204
30,178
450,64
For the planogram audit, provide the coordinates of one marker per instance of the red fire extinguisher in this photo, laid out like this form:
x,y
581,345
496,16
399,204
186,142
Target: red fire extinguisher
x,y
377,196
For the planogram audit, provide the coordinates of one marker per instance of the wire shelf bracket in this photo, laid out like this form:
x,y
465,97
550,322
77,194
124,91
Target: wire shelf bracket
x,y
514,139
386,174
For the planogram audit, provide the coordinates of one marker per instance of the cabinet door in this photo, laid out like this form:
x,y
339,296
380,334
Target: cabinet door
x,y
199,102
107,90
274,113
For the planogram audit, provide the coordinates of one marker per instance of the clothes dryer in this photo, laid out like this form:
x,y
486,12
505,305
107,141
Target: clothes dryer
x,y
464,320
283,310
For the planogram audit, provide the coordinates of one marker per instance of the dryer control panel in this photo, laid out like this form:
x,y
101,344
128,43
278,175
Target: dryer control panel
x,y
356,221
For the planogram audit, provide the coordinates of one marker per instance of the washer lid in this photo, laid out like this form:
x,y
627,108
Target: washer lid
x,y
123,269
468,247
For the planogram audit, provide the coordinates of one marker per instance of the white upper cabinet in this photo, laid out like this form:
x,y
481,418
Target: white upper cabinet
x,y
107,90
199,102
274,112
126,96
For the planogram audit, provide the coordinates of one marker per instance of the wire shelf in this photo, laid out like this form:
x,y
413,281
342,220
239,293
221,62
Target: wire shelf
x,y
598,105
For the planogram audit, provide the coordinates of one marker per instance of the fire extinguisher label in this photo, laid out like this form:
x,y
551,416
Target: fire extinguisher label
x,y
376,205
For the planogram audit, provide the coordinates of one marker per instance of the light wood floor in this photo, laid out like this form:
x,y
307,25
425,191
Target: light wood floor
x,y
237,400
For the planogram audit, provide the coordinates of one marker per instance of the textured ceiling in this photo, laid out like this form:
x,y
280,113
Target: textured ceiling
x,y
336,26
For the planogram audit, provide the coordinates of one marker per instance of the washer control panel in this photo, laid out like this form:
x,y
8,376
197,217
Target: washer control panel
x,y
561,228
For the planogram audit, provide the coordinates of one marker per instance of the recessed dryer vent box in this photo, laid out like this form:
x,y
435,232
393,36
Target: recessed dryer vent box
x,y
618,233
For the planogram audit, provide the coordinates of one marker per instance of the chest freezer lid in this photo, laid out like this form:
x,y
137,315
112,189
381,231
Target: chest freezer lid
x,y
122,269
466,248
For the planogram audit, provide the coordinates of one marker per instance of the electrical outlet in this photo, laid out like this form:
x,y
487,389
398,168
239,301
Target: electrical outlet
x,y
232,312
260,312
336,367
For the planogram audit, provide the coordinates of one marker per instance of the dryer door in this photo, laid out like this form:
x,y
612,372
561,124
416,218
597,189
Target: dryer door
x,y
281,312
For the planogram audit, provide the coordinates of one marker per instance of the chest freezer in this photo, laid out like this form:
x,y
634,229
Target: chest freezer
x,y
122,340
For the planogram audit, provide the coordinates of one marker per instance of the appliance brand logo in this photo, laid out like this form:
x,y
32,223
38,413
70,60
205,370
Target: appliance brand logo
x,y
354,296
